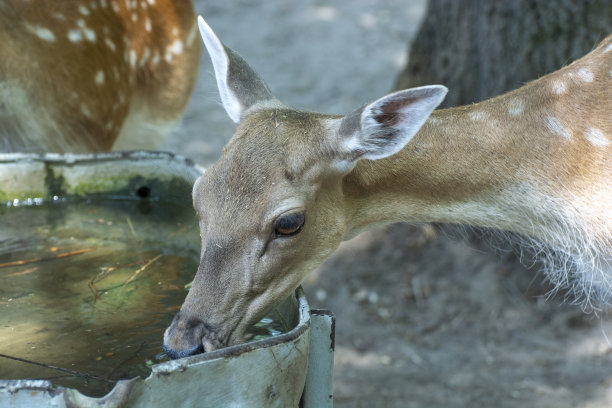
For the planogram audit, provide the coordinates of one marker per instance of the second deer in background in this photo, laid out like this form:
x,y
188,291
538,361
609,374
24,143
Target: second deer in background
x,y
94,75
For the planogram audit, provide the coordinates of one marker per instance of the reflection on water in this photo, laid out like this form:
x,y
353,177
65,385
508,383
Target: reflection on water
x,y
90,287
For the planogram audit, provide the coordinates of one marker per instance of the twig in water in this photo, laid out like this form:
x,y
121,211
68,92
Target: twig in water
x,y
129,222
105,272
94,290
142,268
24,272
47,258
76,373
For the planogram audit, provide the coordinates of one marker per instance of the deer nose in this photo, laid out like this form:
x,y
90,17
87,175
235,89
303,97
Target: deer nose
x,y
183,337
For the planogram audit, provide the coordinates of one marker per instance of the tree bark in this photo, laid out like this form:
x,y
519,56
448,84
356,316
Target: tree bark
x,y
482,48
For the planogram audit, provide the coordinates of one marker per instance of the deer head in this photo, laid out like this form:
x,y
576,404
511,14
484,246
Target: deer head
x,y
272,208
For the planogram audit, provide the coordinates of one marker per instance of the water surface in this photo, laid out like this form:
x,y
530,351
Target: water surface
x,y
90,286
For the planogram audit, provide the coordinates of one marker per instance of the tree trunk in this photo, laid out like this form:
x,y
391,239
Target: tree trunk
x,y
482,48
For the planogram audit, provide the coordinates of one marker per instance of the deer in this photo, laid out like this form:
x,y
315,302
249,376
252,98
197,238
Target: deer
x,y
91,76
291,185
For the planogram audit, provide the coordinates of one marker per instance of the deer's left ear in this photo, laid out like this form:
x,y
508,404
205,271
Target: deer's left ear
x,y
240,87
385,126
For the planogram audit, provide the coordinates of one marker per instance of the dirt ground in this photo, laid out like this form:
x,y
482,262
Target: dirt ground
x,y
423,319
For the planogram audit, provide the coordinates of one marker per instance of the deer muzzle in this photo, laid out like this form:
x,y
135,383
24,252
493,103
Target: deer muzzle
x,y
187,336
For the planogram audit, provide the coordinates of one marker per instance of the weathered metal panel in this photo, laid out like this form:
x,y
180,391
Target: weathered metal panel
x,y
319,387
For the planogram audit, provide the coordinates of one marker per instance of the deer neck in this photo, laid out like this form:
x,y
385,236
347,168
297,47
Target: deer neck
x,y
495,164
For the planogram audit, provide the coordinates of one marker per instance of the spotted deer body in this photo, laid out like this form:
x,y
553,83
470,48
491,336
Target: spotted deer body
x,y
291,185
93,75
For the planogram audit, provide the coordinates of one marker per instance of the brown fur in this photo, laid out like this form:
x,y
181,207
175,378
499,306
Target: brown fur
x,y
123,44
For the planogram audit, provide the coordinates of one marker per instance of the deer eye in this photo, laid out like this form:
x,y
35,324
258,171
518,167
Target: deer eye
x,y
289,224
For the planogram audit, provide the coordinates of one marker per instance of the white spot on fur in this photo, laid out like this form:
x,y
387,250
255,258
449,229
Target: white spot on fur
x,y
75,36
115,6
85,111
554,125
559,87
175,31
477,115
176,47
145,56
151,2
87,32
516,107
585,75
110,44
148,24
83,10
41,32
608,48
156,58
134,17
596,137
99,78
103,3
132,58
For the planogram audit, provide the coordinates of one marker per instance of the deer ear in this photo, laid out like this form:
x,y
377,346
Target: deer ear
x,y
385,126
240,87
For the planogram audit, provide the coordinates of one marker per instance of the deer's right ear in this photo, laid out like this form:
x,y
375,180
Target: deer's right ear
x,y
385,126
240,87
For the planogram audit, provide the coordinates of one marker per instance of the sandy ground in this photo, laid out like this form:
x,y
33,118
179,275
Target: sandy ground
x,y
423,320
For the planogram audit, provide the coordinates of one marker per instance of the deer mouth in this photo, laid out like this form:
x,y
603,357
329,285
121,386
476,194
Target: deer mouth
x,y
187,336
